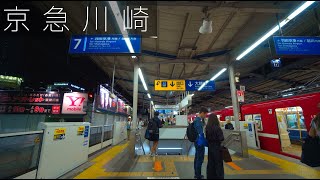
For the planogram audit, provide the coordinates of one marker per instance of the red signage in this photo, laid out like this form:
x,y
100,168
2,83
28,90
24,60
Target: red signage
x,y
74,103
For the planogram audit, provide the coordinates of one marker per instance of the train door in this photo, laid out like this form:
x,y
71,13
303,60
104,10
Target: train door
x,y
292,129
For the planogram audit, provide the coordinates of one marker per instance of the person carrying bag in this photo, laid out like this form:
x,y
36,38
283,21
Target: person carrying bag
x,y
311,145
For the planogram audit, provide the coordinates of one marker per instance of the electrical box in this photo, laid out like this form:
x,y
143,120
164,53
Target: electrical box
x,y
65,146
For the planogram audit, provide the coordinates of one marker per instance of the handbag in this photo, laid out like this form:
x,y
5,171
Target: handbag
x,y
225,154
310,152
201,141
147,135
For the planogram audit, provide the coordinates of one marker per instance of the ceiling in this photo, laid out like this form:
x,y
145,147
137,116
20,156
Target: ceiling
x,y
181,52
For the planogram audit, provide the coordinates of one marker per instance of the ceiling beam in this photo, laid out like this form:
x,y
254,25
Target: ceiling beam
x,y
186,24
221,30
180,61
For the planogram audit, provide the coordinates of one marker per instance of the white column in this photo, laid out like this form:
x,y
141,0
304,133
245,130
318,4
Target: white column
x,y
135,96
235,102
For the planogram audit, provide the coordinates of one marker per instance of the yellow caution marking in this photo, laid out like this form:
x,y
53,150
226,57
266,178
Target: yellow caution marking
x,y
287,166
97,169
234,166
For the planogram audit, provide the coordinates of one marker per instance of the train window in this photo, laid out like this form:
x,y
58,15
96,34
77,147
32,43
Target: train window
x,y
230,118
254,118
248,118
257,119
292,117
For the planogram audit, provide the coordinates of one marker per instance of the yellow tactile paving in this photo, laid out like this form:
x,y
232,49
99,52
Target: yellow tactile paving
x,y
97,170
178,158
287,166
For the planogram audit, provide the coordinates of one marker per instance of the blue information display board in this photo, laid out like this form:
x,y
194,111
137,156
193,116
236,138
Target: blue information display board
x,y
297,45
194,85
104,44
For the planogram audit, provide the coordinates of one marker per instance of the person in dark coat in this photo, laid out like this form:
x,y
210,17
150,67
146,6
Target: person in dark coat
x,y
229,125
214,136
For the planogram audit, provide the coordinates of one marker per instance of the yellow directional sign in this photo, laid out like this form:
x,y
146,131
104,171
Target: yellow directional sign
x,y
169,85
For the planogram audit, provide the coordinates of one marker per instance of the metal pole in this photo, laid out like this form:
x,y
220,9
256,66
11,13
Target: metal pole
x,y
114,70
317,17
150,109
280,30
235,102
135,96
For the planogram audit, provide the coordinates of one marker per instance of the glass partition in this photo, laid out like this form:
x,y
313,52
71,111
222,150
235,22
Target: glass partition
x,y
19,154
95,135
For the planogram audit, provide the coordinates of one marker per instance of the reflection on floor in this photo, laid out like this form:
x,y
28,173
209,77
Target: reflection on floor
x,y
293,149
172,147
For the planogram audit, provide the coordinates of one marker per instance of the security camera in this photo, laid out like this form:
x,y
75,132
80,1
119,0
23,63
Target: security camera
x,y
206,27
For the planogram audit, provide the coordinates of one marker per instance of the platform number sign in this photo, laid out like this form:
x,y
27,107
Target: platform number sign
x,y
240,95
276,63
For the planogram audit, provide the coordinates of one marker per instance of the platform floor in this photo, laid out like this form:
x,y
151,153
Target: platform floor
x,y
113,163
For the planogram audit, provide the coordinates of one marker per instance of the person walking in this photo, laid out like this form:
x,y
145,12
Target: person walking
x,y
200,149
153,128
214,136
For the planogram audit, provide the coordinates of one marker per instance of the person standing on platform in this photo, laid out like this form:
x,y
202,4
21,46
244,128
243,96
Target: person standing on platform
x,y
153,128
129,123
214,136
315,125
200,149
229,125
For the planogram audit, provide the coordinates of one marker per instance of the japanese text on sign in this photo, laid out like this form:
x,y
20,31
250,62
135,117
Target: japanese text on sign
x,y
59,134
56,19
169,85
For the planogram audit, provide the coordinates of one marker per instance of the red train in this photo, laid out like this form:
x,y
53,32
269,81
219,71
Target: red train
x,y
282,123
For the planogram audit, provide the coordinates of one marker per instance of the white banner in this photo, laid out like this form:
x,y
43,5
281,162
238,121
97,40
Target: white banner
x,y
74,103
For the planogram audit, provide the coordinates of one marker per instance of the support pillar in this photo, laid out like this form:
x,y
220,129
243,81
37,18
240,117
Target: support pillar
x,y
234,97
135,96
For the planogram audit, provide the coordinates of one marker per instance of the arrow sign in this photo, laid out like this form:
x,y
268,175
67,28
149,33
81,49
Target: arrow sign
x,y
195,85
169,85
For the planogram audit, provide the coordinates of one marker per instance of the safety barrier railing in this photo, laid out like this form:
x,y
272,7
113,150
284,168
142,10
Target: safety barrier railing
x,y
236,141
100,137
19,154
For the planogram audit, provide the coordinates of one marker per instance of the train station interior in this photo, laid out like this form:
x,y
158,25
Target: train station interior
x,y
84,83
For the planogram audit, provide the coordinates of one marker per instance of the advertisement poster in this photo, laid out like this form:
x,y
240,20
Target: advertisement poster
x,y
59,134
74,103
121,106
18,102
105,101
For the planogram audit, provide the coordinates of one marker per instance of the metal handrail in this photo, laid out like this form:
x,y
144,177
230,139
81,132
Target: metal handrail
x,y
20,133
229,138
140,141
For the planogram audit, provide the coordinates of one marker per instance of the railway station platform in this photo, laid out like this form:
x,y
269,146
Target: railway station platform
x,y
114,163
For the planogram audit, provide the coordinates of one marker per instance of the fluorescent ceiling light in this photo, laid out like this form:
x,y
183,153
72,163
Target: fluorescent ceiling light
x,y
152,102
192,95
149,96
213,78
116,12
218,74
133,57
142,80
203,85
275,29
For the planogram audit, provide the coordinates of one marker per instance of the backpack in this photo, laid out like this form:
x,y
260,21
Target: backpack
x,y
192,133
153,127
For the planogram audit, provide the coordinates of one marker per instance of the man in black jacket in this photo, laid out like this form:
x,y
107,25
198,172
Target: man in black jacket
x,y
229,125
